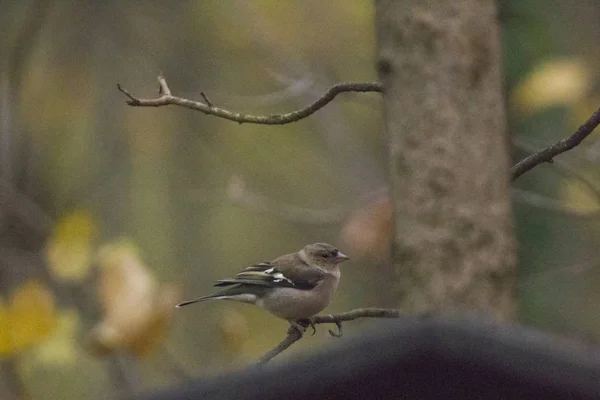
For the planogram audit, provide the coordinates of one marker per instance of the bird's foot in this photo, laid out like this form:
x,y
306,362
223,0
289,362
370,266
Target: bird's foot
x,y
301,325
297,326
340,332
311,322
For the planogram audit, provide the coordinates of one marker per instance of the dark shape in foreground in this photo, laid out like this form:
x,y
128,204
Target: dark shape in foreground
x,y
416,357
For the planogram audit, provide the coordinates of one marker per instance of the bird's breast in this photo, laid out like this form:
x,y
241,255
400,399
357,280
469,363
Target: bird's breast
x,y
291,303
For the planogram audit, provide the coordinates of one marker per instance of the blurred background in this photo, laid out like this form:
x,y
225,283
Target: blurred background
x,y
110,215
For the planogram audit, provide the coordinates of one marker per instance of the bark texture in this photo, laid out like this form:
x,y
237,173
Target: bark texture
x,y
454,248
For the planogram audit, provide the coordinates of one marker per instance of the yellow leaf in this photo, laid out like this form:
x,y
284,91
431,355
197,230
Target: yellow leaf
x,y
582,111
27,318
69,249
136,308
578,196
158,323
553,83
32,315
60,346
126,284
5,342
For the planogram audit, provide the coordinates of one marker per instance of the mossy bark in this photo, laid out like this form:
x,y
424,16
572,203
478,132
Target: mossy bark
x,y
454,247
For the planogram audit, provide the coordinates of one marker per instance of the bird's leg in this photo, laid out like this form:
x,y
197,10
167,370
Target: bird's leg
x,y
296,325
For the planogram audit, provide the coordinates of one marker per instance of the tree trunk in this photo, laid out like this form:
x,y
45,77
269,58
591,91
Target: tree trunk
x,y
454,248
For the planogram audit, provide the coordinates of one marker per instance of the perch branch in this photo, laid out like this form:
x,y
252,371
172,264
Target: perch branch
x,y
563,145
166,98
294,334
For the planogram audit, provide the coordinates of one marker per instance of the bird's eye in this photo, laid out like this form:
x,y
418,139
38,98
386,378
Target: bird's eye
x,y
325,255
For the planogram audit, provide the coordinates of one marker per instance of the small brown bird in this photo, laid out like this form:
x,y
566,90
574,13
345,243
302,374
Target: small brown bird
x,y
294,286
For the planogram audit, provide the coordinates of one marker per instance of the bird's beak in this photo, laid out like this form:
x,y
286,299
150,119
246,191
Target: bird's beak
x,y
341,257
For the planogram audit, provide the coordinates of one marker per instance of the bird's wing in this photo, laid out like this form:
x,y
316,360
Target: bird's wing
x,y
295,269
262,274
285,271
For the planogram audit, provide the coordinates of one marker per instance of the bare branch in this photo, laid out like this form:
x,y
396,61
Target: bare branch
x,y
166,99
294,334
563,145
358,313
292,337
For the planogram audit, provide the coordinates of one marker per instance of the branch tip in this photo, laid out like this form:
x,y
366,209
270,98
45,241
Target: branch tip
x,y
133,101
208,102
163,87
547,154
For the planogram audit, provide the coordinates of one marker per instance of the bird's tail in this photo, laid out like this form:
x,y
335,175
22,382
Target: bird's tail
x,y
198,300
240,293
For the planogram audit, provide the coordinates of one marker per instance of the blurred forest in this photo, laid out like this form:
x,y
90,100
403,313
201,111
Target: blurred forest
x,y
109,214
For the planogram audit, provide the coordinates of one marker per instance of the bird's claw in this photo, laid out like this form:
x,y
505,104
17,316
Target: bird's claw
x,y
340,331
296,326
311,323
302,325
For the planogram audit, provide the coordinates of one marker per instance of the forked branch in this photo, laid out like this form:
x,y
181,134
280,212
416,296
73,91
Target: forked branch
x,y
207,107
294,334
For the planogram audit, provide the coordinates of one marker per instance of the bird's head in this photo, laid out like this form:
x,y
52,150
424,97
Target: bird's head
x,y
323,255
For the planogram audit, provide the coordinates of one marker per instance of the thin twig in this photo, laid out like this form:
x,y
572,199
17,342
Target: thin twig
x,y
274,119
358,313
206,100
563,145
563,167
542,201
294,334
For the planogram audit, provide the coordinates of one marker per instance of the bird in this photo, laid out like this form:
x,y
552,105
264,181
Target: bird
x,y
294,286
